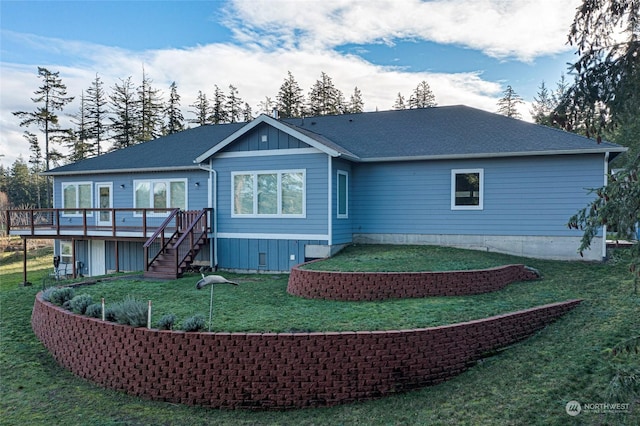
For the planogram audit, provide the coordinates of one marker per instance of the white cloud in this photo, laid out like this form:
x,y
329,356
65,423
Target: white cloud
x,y
523,29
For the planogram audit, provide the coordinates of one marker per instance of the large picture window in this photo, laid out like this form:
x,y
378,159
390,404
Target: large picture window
x,y
76,196
160,194
343,195
467,189
268,194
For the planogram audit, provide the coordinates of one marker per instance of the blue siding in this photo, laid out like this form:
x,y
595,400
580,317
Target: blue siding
x,y
315,222
342,228
522,196
244,254
276,139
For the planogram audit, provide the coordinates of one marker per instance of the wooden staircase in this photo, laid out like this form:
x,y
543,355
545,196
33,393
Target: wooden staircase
x,y
168,255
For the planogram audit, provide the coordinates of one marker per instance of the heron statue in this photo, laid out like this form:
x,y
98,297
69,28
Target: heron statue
x,y
211,280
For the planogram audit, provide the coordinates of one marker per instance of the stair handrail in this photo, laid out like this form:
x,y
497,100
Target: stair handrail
x,y
189,232
163,241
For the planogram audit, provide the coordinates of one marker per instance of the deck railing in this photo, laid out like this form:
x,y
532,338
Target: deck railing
x,y
113,222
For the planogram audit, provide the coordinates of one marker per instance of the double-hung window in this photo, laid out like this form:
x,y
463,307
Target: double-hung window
x,y
278,193
160,194
467,189
77,195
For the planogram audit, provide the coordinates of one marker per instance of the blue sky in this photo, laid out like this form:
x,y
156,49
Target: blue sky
x,y
467,50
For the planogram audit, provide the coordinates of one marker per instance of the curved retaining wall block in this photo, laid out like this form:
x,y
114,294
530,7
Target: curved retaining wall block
x,y
278,371
332,285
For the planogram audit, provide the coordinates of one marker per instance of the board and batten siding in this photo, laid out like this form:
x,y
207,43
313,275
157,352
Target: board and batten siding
x,y
264,137
523,196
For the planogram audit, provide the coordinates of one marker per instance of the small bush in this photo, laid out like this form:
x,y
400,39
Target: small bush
x,y
167,322
80,303
111,312
46,293
61,295
131,312
67,305
94,310
194,323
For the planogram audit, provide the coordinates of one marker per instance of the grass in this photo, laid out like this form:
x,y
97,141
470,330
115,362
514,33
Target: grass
x,y
527,384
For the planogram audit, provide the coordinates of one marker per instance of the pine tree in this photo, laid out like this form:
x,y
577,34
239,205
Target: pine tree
x,y
96,113
543,106
151,108
218,111
175,120
246,113
78,141
233,105
202,110
399,103
53,97
290,99
422,96
266,106
356,104
325,98
125,114
508,104
36,164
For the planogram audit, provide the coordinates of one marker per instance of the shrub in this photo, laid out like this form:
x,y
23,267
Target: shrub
x,y
80,303
61,295
166,322
94,310
111,312
131,312
194,323
46,293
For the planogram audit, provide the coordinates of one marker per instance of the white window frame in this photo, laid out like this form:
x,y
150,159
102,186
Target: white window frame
x,y
480,173
74,211
344,215
254,174
66,258
167,182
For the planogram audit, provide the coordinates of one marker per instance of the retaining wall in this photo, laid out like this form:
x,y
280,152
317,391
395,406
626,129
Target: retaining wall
x,y
332,285
269,370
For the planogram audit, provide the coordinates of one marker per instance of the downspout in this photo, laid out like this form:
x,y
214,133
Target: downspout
x,y
604,227
213,202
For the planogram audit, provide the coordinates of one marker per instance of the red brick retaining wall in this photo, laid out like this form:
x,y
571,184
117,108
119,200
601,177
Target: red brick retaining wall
x,y
269,370
392,285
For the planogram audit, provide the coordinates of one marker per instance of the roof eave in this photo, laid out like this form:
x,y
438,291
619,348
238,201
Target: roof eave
x,y
617,150
111,171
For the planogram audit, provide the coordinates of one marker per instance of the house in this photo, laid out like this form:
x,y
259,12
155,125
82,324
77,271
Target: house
x,y
268,194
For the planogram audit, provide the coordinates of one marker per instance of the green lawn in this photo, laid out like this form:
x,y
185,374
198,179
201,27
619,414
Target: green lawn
x,y
527,384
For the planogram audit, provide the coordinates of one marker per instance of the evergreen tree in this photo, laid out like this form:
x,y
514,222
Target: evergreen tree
x,y
218,111
508,104
125,115
246,113
96,102
543,106
151,111
202,110
422,96
19,187
233,105
266,106
356,104
52,96
290,99
78,142
325,98
175,120
36,165
399,103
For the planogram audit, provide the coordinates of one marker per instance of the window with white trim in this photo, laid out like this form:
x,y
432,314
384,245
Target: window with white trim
x,y
160,194
279,193
343,195
77,195
467,189
66,251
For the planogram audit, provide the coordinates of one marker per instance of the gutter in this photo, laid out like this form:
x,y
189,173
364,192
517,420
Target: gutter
x,y
112,171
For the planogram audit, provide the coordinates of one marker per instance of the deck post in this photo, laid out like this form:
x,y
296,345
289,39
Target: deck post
x,y
117,257
24,263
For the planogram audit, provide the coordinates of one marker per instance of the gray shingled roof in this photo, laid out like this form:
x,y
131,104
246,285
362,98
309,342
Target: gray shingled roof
x,y
440,132
443,132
